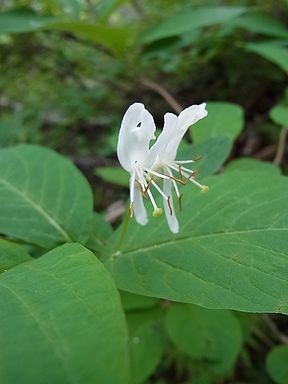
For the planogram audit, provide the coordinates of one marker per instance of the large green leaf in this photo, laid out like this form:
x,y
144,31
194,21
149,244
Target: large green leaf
x,y
273,52
44,199
231,252
12,255
211,335
190,19
23,21
246,164
62,322
224,119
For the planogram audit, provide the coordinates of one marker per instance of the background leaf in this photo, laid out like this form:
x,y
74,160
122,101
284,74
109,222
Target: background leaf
x,y
62,322
117,39
99,234
224,119
44,199
11,255
279,114
114,175
231,251
190,19
261,23
277,364
213,336
273,52
212,154
23,21
146,343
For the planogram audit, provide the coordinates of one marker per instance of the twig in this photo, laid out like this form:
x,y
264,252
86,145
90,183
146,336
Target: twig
x,y
115,211
164,93
281,146
274,329
265,153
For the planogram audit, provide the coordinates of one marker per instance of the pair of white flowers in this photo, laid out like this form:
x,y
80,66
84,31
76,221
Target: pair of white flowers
x,y
147,165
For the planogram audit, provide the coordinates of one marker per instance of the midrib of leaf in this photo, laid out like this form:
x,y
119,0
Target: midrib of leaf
x,y
196,237
38,208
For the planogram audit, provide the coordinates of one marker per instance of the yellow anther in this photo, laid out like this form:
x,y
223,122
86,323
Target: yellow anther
x,y
157,212
205,188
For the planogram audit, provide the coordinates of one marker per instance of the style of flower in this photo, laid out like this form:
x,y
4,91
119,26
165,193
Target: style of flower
x,y
147,165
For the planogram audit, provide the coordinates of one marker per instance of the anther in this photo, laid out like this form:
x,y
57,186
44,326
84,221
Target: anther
x,y
204,188
157,212
131,209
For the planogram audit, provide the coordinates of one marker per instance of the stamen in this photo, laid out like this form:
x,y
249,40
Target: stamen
x,y
159,189
204,188
146,189
157,174
184,161
173,181
177,169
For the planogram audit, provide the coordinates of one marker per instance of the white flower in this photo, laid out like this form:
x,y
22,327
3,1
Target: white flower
x,y
146,164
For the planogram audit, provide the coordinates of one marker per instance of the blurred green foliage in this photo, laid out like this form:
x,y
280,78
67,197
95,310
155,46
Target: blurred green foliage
x,y
69,68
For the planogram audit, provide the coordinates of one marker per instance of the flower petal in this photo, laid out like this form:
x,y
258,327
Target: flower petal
x,y
136,131
174,129
171,219
158,150
139,208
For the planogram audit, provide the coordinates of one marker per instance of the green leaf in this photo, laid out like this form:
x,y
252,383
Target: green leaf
x,y
261,23
116,39
277,364
212,154
12,255
273,52
251,165
224,119
114,175
100,233
23,21
44,199
63,322
190,19
133,302
211,335
146,343
231,252
279,114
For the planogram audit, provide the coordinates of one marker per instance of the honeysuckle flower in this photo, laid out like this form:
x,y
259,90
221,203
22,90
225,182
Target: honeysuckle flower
x,y
164,152
147,165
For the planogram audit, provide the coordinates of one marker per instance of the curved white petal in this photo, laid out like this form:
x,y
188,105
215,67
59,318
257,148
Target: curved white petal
x,y
136,131
187,117
159,149
139,208
174,129
171,219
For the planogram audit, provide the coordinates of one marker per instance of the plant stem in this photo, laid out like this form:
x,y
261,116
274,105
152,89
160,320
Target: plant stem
x,y
123,231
